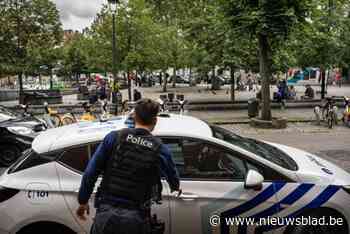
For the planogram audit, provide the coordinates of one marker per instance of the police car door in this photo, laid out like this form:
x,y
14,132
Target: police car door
x,y
71,167
212,182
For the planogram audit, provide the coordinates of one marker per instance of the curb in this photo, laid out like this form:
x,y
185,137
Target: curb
x,y
248,121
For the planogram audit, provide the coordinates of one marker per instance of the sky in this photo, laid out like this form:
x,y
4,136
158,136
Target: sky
x,y
78,14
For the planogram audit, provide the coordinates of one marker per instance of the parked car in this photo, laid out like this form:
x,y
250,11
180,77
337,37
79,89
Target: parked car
x,y
222,175
17,132
179,80
221,80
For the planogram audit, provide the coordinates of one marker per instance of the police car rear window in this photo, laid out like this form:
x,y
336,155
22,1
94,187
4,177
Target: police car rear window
x,y
31,159
76,158
258,148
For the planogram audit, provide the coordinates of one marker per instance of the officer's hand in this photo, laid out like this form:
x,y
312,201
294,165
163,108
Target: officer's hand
x,y
179,192
81,211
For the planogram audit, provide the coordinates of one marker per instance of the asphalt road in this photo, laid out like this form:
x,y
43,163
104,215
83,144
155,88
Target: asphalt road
x,y
332,145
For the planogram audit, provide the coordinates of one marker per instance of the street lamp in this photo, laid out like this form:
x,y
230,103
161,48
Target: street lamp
x,y
113,7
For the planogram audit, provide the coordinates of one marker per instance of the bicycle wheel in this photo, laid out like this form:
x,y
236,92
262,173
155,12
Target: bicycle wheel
x,y
330,122
317,111
67,120
335,118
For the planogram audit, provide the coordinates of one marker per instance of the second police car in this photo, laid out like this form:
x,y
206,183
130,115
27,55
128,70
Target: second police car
x,y
223,176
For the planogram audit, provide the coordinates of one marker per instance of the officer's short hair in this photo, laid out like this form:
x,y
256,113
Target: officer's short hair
x,y
146,110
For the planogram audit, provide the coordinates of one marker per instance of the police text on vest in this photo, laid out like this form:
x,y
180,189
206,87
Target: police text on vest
x,y
139,140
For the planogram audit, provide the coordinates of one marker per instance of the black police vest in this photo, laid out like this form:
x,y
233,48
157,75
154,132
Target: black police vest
x,y
133,170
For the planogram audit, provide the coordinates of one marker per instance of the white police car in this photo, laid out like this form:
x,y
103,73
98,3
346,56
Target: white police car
x,y
222,176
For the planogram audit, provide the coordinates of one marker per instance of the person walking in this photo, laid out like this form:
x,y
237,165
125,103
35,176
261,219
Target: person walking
x,y
338,78
131,162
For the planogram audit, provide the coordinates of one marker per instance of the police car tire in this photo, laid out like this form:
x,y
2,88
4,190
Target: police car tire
x,y
46,227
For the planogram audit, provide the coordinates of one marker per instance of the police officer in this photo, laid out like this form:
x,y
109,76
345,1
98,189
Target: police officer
x,y
132,161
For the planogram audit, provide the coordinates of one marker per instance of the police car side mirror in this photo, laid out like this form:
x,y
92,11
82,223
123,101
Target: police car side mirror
x,y
253,180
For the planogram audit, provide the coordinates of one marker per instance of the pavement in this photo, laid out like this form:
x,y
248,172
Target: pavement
x,y
330,144
241,116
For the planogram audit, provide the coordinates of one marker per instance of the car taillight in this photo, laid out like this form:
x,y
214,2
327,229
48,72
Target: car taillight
x,y
7,193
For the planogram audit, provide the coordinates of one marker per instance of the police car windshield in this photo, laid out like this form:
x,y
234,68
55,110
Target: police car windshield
x,y
259,148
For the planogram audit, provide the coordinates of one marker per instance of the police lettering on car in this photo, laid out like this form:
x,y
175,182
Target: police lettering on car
x,y
132,161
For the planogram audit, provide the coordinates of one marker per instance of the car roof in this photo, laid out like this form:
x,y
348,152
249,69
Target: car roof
x,y
87,132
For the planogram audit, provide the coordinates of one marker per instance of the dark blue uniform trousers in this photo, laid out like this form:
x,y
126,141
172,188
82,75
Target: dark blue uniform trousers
x,y
115,220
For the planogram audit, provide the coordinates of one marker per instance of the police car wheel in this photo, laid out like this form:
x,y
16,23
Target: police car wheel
x,y
46,227
8,154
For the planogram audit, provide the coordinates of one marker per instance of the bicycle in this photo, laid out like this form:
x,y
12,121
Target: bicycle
x,y
163,105
68,118
329,113
88,113
346,114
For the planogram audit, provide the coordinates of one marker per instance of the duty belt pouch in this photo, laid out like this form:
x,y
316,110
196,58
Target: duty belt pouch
x,y
98,199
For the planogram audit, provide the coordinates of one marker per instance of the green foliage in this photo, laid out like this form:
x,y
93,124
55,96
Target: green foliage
x,y
30,31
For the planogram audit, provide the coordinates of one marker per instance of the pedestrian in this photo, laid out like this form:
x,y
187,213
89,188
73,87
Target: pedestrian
x,y
131,162
93,93
292,94
137,95
282,93
309,92
101,91
115,90
338,78
250,83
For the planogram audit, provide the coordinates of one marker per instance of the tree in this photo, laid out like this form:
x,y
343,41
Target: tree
x,y
25,25
270,23
74,57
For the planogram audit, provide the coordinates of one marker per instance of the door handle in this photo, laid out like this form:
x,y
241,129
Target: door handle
x,y
188,196
77,191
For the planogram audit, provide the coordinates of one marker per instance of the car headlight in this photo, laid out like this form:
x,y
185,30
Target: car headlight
x,y
347,188
20,130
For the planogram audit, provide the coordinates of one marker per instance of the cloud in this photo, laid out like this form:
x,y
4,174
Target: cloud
x,y
78,14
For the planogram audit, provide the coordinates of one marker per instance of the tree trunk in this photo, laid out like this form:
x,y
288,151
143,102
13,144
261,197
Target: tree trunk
x,y
214,81
265,72
40,80
20,82
51,79
129,86
165,82
160,78
232,87
323,82
190,78
174,77
77,78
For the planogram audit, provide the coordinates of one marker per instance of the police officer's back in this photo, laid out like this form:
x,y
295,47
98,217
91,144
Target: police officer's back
x,y
131,161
